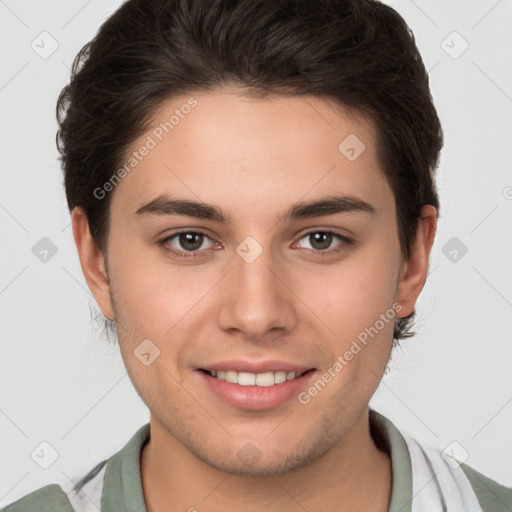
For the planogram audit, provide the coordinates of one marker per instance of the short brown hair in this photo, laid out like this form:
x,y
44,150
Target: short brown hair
x,y
359,53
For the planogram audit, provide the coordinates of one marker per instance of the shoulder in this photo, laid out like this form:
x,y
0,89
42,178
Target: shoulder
x,y
85,496
50,498
88,493
441,476
491,495
471,484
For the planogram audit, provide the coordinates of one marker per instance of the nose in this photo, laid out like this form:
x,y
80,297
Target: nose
x,y
256,299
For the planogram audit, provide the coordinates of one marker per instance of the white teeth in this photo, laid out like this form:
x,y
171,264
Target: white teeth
x,y
279,377
265,379
252,379
232,376
246,379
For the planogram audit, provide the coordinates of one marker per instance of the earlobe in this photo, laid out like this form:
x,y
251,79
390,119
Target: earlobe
x,y
414,271
92,261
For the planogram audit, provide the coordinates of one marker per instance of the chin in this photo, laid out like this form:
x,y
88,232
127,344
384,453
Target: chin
x,y
249,460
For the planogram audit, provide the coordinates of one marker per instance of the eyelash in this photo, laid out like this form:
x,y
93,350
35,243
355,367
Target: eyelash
x,y
193,254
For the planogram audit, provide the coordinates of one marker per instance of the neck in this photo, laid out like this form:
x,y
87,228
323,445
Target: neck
x,y
354,476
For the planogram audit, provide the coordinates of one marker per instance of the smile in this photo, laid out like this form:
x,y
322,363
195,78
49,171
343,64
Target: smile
x,y
266,379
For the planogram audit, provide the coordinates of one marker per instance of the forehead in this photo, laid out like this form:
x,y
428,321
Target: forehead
x,y
256,156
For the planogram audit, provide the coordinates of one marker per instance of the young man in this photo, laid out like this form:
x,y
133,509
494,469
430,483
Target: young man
x,y
253,204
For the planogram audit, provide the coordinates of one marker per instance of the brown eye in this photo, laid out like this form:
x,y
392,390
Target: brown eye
x,y
322,241
190,241
187,243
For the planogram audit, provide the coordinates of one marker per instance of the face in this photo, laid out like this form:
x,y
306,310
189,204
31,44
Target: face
x,y
290,258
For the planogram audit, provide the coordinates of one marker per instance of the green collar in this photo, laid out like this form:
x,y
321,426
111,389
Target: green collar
x,y
122,487
401,490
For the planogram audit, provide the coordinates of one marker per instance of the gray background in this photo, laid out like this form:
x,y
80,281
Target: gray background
x,y
63,385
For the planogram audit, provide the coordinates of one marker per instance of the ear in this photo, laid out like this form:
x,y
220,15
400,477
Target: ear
x,y
414,270
92,261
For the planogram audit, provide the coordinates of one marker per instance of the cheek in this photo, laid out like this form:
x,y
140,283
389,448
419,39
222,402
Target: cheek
x,y
159,300
153,295
352,295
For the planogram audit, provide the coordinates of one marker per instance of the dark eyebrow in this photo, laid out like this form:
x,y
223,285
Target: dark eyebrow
x,y
164,205
330,205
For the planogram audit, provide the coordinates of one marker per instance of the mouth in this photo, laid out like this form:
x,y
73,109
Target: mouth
x,y
255,385
266,379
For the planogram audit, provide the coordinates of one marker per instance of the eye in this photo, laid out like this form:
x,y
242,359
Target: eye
x,y
186,243
321,241
190,244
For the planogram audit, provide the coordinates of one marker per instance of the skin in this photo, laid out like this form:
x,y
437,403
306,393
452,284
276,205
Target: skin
x,y
255,159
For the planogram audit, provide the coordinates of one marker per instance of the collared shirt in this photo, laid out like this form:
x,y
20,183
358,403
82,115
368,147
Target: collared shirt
x,y
423,480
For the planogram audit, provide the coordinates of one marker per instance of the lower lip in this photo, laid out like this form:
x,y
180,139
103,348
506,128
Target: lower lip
x,y
256,398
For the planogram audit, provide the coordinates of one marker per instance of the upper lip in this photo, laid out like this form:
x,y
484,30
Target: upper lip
x,y
244,365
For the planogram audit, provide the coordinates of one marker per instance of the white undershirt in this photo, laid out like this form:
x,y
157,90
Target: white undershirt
x,y
88,499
